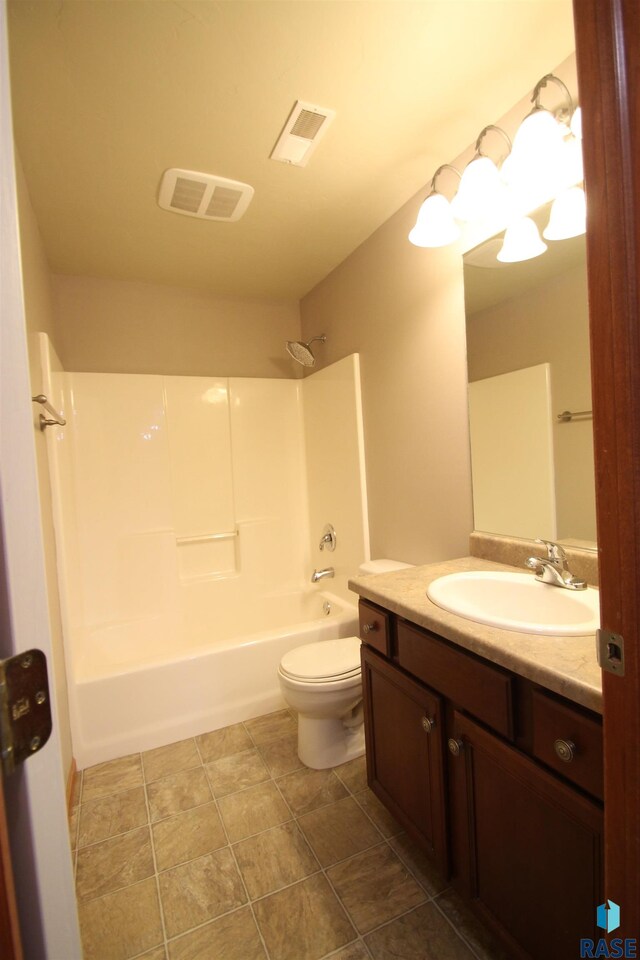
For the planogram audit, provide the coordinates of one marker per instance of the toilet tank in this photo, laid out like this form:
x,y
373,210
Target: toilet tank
x,y
384,565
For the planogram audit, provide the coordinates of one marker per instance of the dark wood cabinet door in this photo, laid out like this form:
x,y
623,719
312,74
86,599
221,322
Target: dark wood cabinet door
x,y
526,847
405,752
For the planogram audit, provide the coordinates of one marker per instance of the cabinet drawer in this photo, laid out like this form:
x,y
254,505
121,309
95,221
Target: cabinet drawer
x,y
374,627
482,689
568,741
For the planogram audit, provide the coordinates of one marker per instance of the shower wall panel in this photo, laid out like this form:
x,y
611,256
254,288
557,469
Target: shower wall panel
x,y
189,496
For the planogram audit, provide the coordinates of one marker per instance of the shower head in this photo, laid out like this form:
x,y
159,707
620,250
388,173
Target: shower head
x,y
300,351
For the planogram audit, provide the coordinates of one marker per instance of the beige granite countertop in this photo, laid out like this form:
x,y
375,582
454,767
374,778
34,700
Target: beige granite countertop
x,y
566,665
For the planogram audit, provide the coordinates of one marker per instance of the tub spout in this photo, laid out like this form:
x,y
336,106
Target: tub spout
x,y
322,574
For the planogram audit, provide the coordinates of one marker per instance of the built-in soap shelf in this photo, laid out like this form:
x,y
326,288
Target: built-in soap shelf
x,y
208,555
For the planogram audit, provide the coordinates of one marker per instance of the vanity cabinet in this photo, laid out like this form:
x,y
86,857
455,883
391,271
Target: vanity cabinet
x,y
498,780
405,752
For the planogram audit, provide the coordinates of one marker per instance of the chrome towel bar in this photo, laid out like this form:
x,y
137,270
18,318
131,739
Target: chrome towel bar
x,y
54,419
568,415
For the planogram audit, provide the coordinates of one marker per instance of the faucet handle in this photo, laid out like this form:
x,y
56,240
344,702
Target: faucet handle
x,y
555,552
329,538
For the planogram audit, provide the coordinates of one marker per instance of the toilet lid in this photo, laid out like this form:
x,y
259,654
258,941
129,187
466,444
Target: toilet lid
x,y
325,660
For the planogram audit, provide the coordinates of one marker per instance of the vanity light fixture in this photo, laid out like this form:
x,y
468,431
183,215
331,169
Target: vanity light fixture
x,y
435,225
521,242
481,192
544,163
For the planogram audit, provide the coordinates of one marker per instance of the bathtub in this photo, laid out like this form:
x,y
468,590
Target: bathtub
x,y
148,683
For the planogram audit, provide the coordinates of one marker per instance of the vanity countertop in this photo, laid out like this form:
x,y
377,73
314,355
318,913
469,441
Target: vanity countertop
x,y
566,665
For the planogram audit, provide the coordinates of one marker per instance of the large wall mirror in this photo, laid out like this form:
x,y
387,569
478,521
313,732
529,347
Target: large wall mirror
x,y
530,392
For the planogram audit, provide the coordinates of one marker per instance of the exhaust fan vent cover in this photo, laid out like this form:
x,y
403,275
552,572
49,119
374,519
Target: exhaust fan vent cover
x,y
306,126
203,195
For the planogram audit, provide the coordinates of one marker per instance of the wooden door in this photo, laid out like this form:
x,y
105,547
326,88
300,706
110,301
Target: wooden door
x,y
10,946
526,847
607,45
404,731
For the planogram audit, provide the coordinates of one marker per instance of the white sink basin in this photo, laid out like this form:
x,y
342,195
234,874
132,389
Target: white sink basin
x,y
517,601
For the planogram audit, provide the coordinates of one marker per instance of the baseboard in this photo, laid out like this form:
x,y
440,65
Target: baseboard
x,y
71,782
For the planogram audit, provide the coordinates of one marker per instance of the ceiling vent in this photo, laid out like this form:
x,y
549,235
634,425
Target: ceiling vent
x,y
305,128
203,195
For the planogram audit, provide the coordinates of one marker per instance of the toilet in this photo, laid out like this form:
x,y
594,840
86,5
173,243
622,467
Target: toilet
x,y
322,682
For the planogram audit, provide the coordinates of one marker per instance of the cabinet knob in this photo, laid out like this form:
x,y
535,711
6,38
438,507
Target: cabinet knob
x,y
369,627
455,746
428,724
565,750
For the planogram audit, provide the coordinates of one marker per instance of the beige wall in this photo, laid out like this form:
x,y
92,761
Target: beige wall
x,y
402,310
122,326
40,317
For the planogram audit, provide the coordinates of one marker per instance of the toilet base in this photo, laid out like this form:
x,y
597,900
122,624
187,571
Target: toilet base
x,y
327,741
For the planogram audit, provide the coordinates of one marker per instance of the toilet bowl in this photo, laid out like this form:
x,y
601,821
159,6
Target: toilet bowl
x,y
322,682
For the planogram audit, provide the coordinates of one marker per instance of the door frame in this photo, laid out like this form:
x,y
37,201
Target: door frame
x,y
607,34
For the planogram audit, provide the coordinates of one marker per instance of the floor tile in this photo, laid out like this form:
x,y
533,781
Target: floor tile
x,y
384,821
111,777
176,793
274,859
422,934
122,924
107,866
307,789
253,810
188,835
158,954
303,922
109,816
230,774
281,756
199,891
375,886
224,743
234,937
481,940
353,774
273,726
164,761
425,872
355,951
338,831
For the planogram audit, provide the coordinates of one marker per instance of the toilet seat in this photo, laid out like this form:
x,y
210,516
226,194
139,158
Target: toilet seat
x,y
323,662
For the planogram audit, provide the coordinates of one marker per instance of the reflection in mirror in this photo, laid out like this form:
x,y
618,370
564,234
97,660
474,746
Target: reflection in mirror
x,y
532,472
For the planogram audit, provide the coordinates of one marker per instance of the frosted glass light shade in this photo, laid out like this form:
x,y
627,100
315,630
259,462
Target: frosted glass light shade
x,y
536,165
435,226
480,190
521,242
576,123
568,217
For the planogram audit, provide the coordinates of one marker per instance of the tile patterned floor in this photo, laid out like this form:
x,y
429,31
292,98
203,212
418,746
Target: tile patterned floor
x,y
224,847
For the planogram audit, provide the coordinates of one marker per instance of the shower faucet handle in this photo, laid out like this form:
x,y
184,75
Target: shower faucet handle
x,y
329,538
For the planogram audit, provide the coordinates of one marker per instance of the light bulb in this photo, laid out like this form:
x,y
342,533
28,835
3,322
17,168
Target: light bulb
x,y
435,226
568,217
521,242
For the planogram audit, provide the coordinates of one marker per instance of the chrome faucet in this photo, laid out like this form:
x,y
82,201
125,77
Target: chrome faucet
x,y
322,574
553,568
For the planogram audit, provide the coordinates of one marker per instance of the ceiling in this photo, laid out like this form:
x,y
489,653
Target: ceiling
x,y
110,93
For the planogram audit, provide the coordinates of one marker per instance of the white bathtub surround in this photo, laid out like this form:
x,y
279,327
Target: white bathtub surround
x,y
183,537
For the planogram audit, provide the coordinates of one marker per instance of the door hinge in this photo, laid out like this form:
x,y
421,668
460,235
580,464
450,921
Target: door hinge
x,y
610,652
25,709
